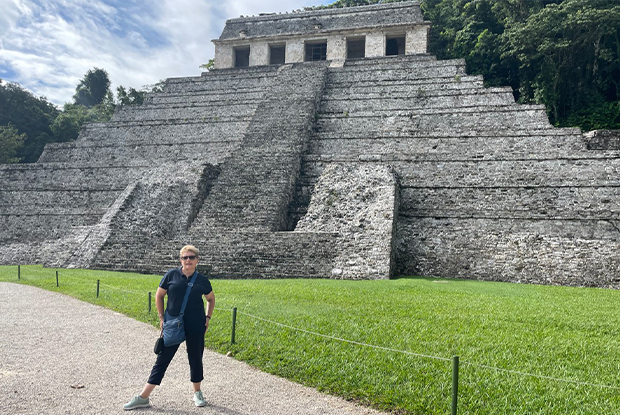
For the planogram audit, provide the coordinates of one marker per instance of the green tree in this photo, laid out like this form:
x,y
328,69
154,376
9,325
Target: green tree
x,y
29,115
569,60
67,126
158,86
129,97
93,89
10,142
133,96
93,102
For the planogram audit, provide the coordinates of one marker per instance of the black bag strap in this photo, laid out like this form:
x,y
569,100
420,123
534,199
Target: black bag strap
x,y
189,288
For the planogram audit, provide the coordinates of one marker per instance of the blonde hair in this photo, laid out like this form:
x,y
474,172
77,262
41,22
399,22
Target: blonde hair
x,y
190,248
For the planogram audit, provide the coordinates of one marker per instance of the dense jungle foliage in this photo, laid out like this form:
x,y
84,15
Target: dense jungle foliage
x,y
564,54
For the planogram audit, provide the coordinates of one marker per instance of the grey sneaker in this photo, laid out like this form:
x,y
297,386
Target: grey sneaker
x,y
199,399
136,402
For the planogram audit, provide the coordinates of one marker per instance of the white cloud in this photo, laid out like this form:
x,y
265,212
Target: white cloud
x,y
48,45
11,11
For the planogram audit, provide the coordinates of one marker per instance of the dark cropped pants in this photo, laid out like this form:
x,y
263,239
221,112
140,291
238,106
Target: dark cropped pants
x,y
195,349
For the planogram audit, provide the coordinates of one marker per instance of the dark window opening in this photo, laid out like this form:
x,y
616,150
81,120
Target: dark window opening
x,y
316,51
356,48
395,45
277,55
242,57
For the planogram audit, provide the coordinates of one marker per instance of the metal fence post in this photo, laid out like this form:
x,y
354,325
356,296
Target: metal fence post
x,y
455,383
234,323
97,288
56,278
149,301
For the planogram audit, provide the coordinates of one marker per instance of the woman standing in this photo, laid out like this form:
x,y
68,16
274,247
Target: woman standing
x,y
196,322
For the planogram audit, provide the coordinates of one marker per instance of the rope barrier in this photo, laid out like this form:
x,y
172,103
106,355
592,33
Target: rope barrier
x,y
516,372
122,290
345,340
431,357
63,277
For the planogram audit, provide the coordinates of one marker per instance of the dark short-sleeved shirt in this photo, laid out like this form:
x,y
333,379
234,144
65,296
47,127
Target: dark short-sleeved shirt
x,y
175,283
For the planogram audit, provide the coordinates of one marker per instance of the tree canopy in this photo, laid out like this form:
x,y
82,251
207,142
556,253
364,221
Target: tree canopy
x,y
10,142
93,89
134,96
93,102
130,97
568,57
209,66
29,115
67,125
564,54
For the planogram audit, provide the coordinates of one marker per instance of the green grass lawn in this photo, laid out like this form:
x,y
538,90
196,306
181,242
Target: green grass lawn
x,y
523,349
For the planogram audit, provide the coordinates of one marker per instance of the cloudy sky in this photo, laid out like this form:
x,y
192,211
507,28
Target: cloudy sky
x,y
48,45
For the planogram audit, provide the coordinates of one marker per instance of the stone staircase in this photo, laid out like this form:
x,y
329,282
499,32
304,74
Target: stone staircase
x,y
255,186
247,198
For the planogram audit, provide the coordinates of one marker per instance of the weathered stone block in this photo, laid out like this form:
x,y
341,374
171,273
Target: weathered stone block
x,y
359,204
603,140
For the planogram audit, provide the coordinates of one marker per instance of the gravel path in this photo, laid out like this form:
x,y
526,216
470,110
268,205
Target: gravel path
x,y
59,355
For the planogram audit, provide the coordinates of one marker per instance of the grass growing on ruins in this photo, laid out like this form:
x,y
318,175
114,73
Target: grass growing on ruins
x,y
523,349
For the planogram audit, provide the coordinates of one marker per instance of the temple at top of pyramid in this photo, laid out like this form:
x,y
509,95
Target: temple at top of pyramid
x,y
325,144
331,34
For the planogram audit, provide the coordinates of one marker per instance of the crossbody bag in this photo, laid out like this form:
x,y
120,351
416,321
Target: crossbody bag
x,y
174,330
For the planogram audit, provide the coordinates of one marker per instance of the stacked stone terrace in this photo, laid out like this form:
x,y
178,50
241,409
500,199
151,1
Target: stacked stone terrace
x,y
365,168
64,208
488,188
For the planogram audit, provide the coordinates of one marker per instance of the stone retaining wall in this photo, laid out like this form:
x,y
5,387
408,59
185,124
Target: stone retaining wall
x,y
540,251
231,255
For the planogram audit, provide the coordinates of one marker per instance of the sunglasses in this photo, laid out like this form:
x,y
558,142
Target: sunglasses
x,y
185,258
